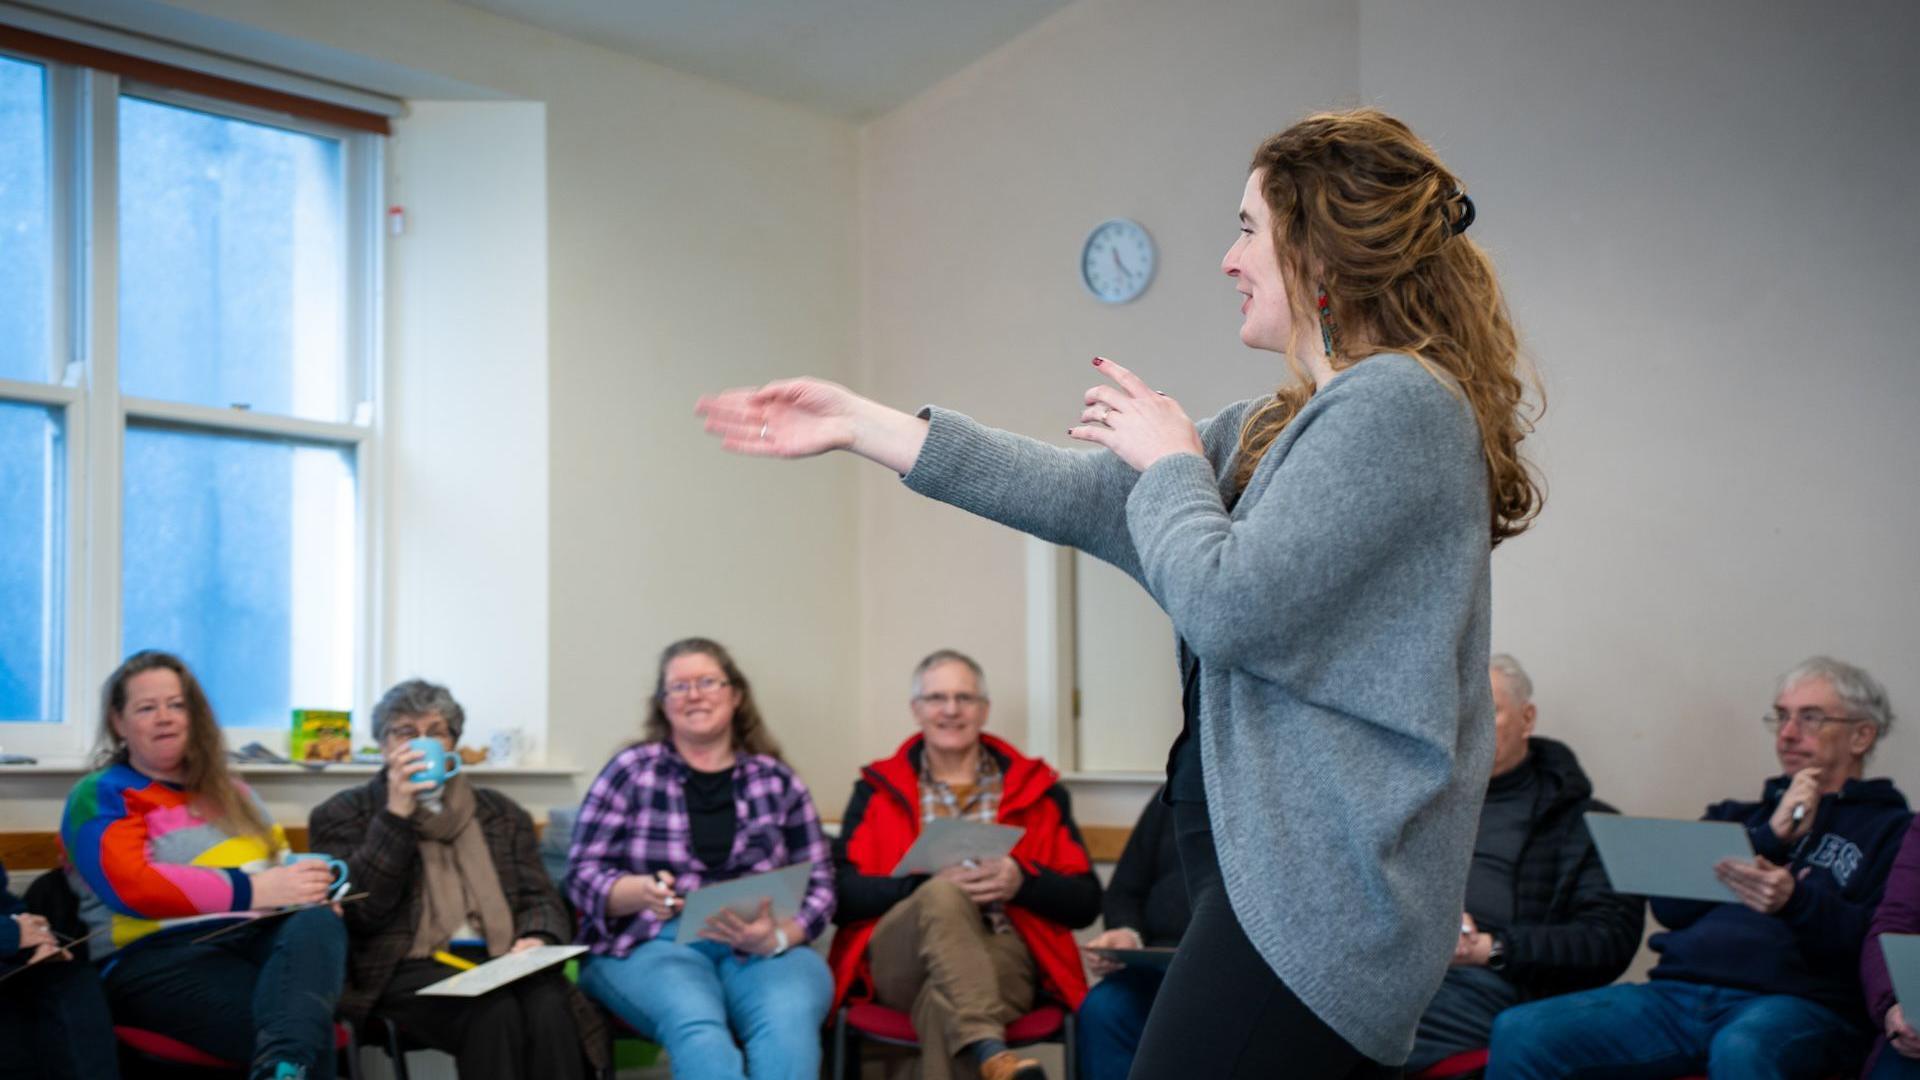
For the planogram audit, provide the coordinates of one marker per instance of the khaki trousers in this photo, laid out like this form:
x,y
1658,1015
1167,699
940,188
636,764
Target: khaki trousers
x,y
934,957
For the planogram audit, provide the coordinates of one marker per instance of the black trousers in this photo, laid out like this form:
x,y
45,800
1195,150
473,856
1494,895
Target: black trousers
x,y
522,1031
54,1024
1222,1012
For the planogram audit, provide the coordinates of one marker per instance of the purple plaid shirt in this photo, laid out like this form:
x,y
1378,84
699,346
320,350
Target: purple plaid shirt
x,y
634,821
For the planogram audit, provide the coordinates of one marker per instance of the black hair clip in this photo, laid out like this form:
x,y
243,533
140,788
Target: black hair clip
x,y
1466,215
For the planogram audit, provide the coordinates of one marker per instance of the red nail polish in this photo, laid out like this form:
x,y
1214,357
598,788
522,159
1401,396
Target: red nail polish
x,y
1098,360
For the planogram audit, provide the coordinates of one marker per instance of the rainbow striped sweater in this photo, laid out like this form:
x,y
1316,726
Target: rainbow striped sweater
x,y
142,854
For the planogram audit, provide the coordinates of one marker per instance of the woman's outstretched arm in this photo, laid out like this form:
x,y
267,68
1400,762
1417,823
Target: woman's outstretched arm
x,y
802,417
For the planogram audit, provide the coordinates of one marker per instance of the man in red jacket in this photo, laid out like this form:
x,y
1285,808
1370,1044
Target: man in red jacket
x,y
969,949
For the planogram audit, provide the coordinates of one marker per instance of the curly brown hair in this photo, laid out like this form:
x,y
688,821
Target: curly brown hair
x,y
750,734
1364,209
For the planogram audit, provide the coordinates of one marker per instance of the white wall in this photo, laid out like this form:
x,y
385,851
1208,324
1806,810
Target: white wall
x,y
465,401
1705,218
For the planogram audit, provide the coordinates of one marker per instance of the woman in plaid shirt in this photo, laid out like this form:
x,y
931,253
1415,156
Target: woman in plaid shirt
x,y
703,798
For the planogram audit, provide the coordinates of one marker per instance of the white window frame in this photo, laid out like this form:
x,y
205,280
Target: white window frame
x,y
1056,726
83,122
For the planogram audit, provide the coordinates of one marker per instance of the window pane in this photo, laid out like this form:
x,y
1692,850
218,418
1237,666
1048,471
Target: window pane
x,y
32,561
26,269
238,555
232,263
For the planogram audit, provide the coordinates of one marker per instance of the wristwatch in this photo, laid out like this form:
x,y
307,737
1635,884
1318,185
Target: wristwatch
x,y
780,942
1496,951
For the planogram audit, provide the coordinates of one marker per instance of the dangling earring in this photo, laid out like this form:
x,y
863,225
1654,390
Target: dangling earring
x,y
1326,323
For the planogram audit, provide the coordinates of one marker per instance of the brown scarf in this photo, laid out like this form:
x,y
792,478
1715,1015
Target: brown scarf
x,y
461,885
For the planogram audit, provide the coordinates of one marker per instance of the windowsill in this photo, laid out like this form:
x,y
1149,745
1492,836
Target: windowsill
x,y
76,768
1138,778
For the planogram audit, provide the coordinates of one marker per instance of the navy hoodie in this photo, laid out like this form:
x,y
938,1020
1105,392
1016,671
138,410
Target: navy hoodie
x,y
1811,947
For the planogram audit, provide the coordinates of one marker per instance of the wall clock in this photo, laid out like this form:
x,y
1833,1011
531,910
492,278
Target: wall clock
x,y
1117,261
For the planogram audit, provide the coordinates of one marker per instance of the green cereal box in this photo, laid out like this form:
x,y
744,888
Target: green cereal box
x,y
322,735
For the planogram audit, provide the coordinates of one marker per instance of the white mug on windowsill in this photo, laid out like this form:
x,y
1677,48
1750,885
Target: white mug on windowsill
x,y
509,746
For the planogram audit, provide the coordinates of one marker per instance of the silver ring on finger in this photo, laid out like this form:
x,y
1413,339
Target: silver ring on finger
x,y
1105,411
763,431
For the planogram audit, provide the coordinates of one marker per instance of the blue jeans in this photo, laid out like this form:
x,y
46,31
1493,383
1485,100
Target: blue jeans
x,y
1111,1020
1665,1028
262,994
691,998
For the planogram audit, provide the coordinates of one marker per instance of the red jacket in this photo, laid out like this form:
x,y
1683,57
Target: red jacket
x,y
882,822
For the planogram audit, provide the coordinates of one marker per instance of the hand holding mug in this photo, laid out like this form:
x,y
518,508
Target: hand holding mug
x,y
403,791
305,881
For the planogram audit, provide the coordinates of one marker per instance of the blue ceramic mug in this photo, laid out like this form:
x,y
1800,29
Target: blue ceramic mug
x,y
338,866
440,764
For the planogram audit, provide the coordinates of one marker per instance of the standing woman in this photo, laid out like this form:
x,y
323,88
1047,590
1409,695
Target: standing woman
x,y
1324,555
161,831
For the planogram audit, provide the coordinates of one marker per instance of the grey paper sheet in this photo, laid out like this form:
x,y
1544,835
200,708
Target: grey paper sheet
x,y
1903,964
786,887
1658,857
948,842
502,970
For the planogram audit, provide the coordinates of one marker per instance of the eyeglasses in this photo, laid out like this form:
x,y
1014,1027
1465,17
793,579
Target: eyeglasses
x,y
408,733
941,701
1811,721
706,684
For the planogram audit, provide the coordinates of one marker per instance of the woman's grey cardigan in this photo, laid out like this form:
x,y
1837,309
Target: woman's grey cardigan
x,y
1340,614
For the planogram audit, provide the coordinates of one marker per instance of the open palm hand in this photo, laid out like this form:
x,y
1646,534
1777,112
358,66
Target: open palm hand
x,y
790,418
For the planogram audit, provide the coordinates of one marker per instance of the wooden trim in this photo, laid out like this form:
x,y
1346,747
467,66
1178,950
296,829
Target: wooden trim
x,y
63,51
40,850
1105,842
30,850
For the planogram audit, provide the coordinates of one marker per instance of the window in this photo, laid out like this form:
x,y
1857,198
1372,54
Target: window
x,y
32,557
1106,713
187,318
26,270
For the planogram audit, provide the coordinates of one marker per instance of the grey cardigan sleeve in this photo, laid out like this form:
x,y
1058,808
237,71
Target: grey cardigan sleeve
x,y
1072,497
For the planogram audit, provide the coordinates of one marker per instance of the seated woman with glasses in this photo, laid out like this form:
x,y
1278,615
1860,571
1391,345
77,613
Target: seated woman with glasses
x,y
161,832
703,798
451,866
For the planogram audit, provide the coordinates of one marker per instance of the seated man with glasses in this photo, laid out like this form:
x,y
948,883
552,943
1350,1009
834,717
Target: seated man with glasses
x,y
1767,986
972,948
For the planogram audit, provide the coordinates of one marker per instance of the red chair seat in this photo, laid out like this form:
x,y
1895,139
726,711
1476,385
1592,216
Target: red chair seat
x,y
1464,1063
889,1025
174,1052
171,1050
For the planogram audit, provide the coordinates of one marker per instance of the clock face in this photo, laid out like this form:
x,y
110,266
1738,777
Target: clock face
x,y
1117,262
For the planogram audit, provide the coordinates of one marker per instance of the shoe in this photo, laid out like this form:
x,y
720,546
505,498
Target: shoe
x,y
1006,1065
